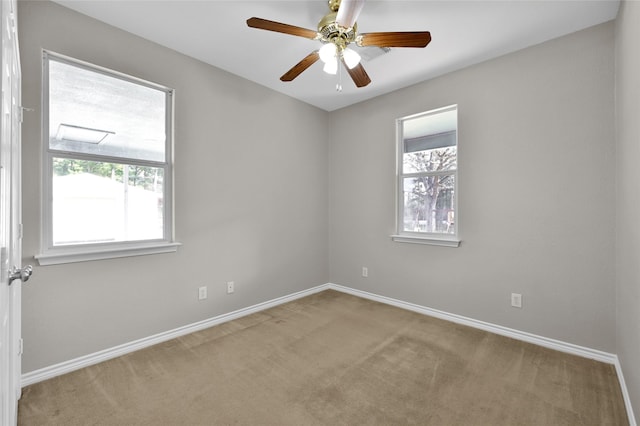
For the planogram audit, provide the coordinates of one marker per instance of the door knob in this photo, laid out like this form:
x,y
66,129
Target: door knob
x,y
20,274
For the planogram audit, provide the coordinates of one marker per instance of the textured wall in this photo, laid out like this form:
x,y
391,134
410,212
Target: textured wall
x,y
536,185
628,201
250,203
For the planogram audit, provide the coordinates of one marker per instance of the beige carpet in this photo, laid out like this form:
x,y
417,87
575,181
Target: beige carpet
x,y
333,359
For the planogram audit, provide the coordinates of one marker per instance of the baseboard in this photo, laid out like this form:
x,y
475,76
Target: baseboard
x,y
625,393
104,355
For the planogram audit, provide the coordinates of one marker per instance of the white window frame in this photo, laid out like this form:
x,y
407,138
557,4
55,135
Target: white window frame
x,y
50,254
402,236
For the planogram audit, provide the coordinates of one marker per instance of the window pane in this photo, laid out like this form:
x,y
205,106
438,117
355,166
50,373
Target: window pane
x,y
429,204
431,160
94,113
96,202
429,141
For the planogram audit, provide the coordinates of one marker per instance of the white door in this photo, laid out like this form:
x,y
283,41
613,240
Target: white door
x,y
11,275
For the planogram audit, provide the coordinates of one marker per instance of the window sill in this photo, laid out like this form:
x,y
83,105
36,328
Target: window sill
x,y
73,255
425,240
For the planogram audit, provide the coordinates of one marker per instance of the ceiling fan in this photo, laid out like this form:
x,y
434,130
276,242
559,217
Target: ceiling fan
x,y
336,31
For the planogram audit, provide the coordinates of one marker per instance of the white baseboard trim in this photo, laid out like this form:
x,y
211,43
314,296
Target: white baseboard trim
x,y
625,394
116,351
104,355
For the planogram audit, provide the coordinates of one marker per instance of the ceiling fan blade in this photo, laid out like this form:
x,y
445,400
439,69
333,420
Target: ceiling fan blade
x,y
298,68
395,39
358,74
348,12
264,24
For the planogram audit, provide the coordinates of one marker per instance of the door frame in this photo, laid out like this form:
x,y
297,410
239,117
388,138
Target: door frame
x,y
10,213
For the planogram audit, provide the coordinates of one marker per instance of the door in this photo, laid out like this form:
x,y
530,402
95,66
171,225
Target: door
x,y
11,275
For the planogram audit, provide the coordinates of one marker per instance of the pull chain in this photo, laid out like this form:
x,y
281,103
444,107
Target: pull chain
x,y
339,85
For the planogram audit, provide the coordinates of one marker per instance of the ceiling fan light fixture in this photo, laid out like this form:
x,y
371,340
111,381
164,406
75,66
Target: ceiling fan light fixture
x,y
331,66
328,52
351,57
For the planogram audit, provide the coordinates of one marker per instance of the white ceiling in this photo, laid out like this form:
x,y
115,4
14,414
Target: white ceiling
x,y
463,33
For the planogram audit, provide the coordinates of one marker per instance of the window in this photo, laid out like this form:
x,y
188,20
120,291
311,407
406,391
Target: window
x,y
427,178
107,164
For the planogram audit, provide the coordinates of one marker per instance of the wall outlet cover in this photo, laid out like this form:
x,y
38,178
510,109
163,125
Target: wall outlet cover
x,y
516,300
202,293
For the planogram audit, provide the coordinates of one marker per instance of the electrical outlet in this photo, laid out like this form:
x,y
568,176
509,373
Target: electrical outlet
x,y
516,300
202,293
365,271
230,287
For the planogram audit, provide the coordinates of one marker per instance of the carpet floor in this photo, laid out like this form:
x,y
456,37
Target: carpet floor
x,y
333,359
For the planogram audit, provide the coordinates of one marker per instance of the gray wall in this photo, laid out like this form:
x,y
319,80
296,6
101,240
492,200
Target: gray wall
x,y
537,194
628,201
251,196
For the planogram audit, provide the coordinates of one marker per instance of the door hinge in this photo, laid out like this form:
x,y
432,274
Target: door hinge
x,y
4,263
20,346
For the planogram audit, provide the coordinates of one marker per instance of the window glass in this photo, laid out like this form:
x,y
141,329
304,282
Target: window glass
x,y
429,204
430,160
91,112
106,202
427,169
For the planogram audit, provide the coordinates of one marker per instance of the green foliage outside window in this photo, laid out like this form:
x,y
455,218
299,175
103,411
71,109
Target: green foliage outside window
x,y
140,176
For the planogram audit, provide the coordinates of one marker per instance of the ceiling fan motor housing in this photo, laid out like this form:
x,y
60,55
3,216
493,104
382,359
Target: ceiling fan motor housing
x,y
330,31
